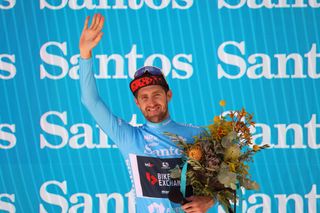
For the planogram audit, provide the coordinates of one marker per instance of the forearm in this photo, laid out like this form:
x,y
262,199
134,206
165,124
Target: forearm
x,y
89,92
91,99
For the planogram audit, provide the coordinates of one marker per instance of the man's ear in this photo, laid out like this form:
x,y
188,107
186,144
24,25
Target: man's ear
x,y
169,95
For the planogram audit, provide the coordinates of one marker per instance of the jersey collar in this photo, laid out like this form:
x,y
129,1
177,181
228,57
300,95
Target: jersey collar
x,y
161,124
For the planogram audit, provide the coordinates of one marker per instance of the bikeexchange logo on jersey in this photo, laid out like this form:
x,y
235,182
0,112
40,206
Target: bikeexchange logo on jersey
x,y
152,175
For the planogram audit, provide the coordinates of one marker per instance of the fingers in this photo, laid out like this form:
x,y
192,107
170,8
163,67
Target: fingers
x,y
94,19
192,209
100,24
98,38
86,23
96,24
187,205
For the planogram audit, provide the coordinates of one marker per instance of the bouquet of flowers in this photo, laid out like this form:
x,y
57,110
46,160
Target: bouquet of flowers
x,y
218,160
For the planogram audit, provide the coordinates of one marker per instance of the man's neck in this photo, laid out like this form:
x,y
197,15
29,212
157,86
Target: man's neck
x,y
164,122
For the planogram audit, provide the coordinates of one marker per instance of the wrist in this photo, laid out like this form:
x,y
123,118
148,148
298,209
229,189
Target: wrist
x,y
85,54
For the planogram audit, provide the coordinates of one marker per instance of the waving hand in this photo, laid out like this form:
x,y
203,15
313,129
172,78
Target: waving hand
x,y
90,36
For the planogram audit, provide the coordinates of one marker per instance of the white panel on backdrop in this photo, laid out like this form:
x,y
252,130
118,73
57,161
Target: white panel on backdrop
x,y
7,202
7,67
117,4
180,66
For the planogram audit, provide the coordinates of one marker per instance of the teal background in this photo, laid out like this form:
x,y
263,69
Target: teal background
x,y
198,31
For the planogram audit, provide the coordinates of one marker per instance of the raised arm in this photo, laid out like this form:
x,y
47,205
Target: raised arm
x,y
119,131
90,37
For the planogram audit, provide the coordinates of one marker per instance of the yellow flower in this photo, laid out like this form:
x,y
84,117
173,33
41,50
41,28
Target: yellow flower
x,y
195,153
216,119
222,103
232,167
256,148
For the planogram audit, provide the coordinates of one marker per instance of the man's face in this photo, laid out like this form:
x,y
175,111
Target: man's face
x,y
153,102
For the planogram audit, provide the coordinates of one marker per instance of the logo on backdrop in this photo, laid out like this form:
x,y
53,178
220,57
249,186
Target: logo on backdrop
x,y
59,65
58,133
7,137
119,4
56,193
235,65
267,4
7,4
7,203
7,67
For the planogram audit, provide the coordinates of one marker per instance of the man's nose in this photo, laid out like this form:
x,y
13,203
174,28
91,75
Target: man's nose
x,y
152,102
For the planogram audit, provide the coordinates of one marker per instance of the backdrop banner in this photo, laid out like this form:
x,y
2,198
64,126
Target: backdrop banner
x,y
262,55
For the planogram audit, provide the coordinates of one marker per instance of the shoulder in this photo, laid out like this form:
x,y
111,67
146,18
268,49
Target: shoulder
x,y
188,126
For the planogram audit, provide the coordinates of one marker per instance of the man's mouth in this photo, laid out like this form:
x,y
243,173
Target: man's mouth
x,y
153,109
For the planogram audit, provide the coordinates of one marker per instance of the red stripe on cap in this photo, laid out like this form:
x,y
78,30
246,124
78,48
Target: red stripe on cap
x,y
145,81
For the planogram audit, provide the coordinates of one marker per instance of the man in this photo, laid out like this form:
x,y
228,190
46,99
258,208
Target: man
x,y
151,95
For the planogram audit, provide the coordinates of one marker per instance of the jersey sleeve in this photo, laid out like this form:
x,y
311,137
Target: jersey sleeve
x,y
118,130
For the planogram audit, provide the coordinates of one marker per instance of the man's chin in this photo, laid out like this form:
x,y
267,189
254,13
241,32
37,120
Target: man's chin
x,y
156,119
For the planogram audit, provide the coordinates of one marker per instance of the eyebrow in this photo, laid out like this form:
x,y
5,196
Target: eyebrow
x,y
157,91
154,92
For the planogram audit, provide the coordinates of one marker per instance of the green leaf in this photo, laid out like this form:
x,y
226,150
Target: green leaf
x,y
228,139
175,173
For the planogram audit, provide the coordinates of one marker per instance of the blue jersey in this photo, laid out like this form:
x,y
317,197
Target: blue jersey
x,y
148,152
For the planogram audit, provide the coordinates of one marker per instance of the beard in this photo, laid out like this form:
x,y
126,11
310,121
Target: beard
x,y
156,114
